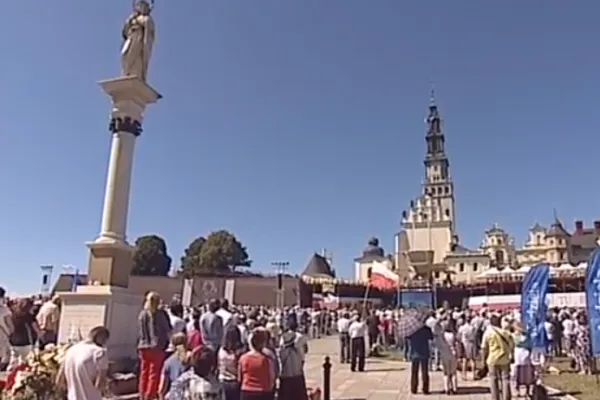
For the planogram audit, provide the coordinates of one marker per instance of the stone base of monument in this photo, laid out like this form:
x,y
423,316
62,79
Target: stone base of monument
x,y
114,307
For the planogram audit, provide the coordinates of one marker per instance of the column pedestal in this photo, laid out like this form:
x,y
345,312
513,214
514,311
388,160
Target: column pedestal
x,y
110,263
113,307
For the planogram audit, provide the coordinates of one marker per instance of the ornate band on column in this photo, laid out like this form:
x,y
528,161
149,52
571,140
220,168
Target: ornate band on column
x,y
125,124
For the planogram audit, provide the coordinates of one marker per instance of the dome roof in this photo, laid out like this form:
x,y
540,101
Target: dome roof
x,y
373,249
495,230
318,267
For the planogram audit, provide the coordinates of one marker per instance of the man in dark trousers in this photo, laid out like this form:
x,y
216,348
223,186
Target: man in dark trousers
x,y
372,322
419,358
343,324
357,332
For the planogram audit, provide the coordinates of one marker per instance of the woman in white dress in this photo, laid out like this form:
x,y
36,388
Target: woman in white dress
x,y
522,368
446,342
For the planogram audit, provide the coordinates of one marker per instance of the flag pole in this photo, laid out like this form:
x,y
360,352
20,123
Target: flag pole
x,y
367,290
364,306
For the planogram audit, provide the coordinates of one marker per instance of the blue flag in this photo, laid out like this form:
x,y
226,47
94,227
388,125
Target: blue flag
x,y
592,300
533,304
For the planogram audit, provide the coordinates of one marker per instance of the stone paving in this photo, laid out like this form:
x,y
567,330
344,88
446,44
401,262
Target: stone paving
x,y
382,379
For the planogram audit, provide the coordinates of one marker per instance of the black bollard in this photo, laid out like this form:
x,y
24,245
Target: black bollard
x,y
327,379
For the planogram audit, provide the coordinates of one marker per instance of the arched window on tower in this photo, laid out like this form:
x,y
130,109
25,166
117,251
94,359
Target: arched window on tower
x,y
499,257
447,212
447,189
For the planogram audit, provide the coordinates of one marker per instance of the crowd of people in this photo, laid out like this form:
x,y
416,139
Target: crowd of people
x,y
24,324
457,341
210,352
214,351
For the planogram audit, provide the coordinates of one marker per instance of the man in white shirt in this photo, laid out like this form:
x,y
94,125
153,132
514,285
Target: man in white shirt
x,y
569,334
178,324
315,326
84,370
357,332
225,314
343,324
433,323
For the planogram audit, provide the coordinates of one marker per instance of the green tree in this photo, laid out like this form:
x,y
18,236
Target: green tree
x,y
150,257
220,252
190,262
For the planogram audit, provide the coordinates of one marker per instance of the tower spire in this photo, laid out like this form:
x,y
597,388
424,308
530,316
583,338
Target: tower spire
x,y
432,97
438,183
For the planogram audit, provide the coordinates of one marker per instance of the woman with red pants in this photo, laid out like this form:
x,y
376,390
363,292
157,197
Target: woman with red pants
x,y
154,329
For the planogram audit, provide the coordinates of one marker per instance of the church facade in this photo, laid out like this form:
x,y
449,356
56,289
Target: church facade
x,y
427,246
428,227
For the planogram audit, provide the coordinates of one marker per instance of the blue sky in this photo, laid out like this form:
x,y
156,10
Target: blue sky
x,y
297,125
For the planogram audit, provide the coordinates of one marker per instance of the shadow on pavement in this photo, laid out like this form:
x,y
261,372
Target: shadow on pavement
x,y
398,369
561,393
473,390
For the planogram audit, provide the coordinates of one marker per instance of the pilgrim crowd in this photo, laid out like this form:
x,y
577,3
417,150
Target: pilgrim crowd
x,y
217,352
457,341
209,352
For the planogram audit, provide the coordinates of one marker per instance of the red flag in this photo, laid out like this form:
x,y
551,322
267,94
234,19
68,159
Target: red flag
x,y
381,277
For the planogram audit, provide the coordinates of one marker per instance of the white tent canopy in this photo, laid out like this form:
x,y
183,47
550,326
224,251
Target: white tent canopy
x,y
489,273
522,270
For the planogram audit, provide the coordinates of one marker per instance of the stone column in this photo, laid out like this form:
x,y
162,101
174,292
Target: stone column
x,y
110,254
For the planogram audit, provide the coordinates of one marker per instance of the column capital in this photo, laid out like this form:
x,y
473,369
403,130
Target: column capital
x,y
130,96
125,124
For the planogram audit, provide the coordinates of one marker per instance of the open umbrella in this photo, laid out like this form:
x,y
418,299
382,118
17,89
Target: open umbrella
x,y
410,322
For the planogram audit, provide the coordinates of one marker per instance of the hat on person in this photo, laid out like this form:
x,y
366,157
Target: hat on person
x,y
288,339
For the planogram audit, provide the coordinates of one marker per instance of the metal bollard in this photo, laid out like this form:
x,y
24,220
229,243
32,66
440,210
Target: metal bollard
x,y
327,379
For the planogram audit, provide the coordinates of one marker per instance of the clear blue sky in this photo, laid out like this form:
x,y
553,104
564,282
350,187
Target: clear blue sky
x,y
295,124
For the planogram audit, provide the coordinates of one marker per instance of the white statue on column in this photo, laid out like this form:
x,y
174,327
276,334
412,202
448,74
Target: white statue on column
x,y
138,35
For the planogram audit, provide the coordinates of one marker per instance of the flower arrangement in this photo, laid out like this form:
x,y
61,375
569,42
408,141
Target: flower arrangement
x,y
36,378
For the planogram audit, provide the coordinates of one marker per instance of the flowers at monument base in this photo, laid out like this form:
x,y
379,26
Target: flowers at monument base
x,y
37,377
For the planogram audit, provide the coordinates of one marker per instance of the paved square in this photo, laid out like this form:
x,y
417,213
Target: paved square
x,y
382,380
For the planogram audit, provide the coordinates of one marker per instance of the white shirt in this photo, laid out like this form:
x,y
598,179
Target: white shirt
x,y
243,333
431,323
357,329
225,316
466,333
343,324
48,316
83,364
549,330
315,317
568,327
178,324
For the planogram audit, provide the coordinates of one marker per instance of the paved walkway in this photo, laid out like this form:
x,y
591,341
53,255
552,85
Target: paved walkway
x,y
382,380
